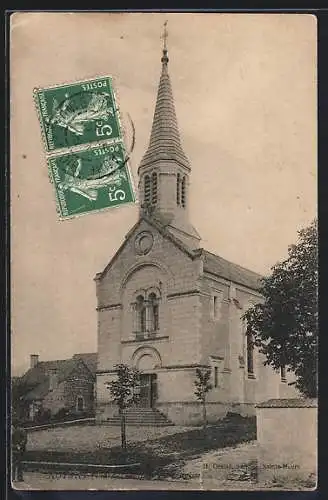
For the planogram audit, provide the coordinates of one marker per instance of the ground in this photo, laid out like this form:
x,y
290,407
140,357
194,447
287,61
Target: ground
x,y
225,458
227,464
89,437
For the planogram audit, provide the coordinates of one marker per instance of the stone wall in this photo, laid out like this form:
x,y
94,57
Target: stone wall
x,y
168,269
79,383
191,413
55,399
65,393
287,438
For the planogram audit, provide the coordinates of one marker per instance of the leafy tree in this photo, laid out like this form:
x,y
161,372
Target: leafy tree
x,y
19,389
202,387
285,325
123,394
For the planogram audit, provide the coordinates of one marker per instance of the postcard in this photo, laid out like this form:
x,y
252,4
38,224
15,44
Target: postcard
x,y
163,251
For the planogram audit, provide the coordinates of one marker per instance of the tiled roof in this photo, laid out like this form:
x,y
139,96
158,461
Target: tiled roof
x,y
89,358
215,264
40,373
38,377
164,141
38,392
289,403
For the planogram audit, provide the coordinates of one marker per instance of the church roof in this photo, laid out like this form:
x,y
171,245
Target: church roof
x,y
165,143
214,264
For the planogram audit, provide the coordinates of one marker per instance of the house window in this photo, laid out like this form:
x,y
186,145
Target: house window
x,y
141,314
154,188
250,355
183,192
178,189
153,313
80,403
283,373
216,376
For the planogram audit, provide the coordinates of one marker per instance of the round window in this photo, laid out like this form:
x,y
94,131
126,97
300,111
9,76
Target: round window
x,y
144,243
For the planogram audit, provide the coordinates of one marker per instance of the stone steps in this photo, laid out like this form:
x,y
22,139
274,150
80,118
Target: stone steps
x,y
141,416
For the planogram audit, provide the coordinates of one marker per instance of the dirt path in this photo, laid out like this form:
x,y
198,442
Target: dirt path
x,y
235,468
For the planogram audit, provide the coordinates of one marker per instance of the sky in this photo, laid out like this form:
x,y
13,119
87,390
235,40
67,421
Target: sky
x,y
245,89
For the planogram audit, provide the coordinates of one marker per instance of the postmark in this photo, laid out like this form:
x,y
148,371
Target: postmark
x,y
91,180
79,113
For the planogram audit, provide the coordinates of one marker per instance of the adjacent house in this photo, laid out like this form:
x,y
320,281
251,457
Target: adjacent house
x,y
60,385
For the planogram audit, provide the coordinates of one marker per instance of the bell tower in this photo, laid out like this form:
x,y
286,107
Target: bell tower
x,y
164,171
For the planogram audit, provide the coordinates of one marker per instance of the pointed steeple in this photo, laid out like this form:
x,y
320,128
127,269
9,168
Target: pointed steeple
x,y
164,170
165,141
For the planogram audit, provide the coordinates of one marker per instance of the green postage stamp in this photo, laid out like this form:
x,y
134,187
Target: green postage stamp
x,y
86,154
91,180
77,114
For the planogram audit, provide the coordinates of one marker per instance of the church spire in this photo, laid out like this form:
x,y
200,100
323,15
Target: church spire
x,y
164,170
165,141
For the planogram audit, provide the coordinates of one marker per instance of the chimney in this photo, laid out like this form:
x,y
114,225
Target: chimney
x,y
34,359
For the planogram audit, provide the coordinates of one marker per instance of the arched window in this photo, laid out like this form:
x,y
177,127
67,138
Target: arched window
x,y
183,192
153,313
250,354
154,188
178,189
141,314
147,189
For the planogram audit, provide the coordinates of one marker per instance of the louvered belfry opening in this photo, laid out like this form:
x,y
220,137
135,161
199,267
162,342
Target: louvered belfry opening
x,y
147,189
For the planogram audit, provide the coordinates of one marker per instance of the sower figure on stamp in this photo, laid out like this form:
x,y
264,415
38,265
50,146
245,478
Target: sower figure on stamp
x,y
18,446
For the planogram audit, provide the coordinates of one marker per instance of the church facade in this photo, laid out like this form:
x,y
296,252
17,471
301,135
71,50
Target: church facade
x,y
167,306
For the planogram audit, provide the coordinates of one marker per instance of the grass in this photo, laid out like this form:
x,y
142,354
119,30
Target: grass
x,y
160,457
227,432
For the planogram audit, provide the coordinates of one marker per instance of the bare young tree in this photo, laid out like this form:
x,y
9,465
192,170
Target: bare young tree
x,y
202,387
123,393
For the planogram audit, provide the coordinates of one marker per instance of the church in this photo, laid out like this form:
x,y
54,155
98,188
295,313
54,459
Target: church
x,y
167,306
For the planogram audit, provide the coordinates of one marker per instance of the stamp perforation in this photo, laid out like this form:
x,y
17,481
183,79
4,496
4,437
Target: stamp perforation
x,y
72,122
53,154
68,183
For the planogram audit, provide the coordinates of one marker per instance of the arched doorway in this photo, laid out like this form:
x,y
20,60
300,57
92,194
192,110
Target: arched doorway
x,y
147,360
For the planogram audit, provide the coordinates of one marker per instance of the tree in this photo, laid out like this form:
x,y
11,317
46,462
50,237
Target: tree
x,y
123,394
202,387
19,389
285,325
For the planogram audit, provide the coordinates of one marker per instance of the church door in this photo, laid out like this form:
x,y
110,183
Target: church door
x,y
148,390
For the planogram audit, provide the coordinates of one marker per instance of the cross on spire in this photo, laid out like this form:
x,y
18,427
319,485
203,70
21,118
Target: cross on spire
x,y
165,59
165,35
